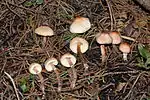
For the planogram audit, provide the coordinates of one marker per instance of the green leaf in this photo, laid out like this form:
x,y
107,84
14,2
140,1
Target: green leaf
x,y
39,2
147,62
24,88
143,51
23,85
28,4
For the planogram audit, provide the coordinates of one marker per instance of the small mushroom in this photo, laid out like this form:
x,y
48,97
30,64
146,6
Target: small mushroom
x,y
80,25
116,37
44,31
125,48
79,46
102,39
68,60
36,69
50,66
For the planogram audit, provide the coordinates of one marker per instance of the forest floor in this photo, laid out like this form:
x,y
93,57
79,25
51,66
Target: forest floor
x,y
115,79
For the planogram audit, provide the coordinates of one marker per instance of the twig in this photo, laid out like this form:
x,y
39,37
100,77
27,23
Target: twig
x,y
128,38
13,85
109,73
125,98
111,16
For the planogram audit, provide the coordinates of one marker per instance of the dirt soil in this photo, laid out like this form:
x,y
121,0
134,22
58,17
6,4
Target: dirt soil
x,y
115,79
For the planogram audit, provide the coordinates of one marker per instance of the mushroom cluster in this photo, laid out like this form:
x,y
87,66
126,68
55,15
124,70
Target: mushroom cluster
x,y
78,45
114,38
67,60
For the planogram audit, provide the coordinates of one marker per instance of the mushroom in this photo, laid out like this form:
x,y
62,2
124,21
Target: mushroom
x,y
50,66
44,31
36,69
79,46
68,60
80,25
125,48
103,38
116,37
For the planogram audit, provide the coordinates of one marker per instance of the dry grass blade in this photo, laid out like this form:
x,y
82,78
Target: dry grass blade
x,y
15,89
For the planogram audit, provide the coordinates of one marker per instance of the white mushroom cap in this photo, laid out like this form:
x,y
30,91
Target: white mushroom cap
x,y
80,25
124,47
50,63
35,68
74,44
116,38
103,38
44,31
68,60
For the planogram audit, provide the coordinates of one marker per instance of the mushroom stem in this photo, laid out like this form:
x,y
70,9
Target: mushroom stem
x,y
73,77
44,41
84,61
36,68
58,77
103,52
42,84
73,73
125,56
69,61
128,38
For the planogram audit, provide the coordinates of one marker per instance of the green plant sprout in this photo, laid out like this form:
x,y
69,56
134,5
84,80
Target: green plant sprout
x,y
33,3
144,60
70,36
26,84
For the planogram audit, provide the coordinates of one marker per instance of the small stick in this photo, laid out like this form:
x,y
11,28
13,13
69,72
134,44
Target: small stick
x,y
13,85
111,15
128,38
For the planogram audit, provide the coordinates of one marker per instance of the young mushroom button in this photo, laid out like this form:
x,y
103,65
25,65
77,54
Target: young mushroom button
x,y
125,48
80,25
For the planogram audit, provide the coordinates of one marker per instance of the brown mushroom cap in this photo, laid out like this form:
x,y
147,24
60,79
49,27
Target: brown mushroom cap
x,y
35,68
116,38
74,43
50,63
44,31
80,25
68,60
124,47
103,38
